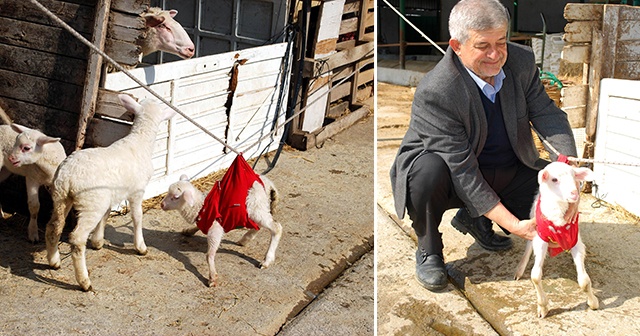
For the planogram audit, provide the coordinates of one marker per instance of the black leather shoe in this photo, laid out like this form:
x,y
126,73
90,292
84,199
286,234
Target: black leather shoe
x,y
481,229
430,271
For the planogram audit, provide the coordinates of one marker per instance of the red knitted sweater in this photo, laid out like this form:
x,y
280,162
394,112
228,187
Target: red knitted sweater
x,y
226,202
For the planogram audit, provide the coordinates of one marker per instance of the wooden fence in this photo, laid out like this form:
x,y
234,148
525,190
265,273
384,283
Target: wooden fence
x,y
341,45
602,41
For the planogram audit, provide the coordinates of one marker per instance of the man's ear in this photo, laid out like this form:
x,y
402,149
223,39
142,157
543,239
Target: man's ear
x,y
455,45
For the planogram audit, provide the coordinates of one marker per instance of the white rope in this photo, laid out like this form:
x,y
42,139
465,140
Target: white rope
x,y
414,27
573,159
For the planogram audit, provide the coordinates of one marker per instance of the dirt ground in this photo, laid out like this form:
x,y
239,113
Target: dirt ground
x,y
326,202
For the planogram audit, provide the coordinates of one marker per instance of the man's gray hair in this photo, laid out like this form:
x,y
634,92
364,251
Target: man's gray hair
x,y
479,15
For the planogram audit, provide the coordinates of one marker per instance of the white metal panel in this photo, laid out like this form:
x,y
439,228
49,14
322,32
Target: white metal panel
x,y
617,139
199,88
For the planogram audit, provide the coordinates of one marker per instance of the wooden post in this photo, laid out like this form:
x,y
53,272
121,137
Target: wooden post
x,y
94,69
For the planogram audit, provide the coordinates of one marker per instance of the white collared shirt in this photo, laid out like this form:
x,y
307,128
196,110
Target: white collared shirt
x,y
490,91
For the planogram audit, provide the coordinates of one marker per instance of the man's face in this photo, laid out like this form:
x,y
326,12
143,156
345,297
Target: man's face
x,y
485,52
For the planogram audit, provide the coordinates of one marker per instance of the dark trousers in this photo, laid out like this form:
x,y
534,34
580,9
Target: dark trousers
x,y
431,192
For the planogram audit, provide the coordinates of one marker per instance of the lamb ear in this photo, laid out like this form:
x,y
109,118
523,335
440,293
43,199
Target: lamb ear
x,y
189,197
168,113
173,12
184,177
19,128
43,140
583,174
543,176
129,103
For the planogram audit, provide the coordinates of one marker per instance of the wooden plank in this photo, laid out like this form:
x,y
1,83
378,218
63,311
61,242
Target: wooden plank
x,y
42,64
576,53
364,93
574,95
108,104
102,132
583,12
345,45
629,30
78,16
341,73
351,7
349,25
627,70
125,53
338,110
44,38
579,31
46,92
609,40
576,116
94,69
630,13
127,34
130,6
350,55
595,74
628,51
365,77
126,20
341,91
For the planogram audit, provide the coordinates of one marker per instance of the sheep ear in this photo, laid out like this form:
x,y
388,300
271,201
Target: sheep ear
x,y
43,140
153,20
184,177
189,197
130,104
173,12
583,174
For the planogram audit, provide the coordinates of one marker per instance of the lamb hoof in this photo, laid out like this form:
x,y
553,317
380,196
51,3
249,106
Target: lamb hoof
x,y
264,265
593,304
143,252
213,282
55,265
542,311
97,245
89,288
33,238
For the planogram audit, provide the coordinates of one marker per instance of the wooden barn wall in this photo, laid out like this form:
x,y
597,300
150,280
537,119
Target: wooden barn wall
x,y
42,67
233,95
601,41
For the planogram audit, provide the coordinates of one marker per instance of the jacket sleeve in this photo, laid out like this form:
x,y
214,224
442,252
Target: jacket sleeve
x,y
443,125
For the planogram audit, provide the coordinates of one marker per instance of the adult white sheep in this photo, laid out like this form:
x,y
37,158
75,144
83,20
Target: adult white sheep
x,y
165,34
34,155
94,180
215,218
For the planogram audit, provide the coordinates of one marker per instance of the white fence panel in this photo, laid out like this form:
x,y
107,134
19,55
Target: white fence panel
x,y
618,139
200,88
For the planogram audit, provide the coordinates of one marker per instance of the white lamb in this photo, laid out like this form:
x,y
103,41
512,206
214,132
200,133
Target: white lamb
x,y
261,201
559,187
32,154
94,180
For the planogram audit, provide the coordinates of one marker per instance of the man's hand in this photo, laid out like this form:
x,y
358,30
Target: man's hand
x,y
525,229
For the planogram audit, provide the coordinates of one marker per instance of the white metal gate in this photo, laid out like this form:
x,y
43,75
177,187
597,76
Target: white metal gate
x,y
199,87
617,139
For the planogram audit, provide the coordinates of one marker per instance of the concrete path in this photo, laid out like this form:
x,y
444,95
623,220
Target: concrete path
x,y
483,298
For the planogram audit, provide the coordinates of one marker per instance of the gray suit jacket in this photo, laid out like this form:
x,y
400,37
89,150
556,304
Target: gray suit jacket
x,y
447,118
